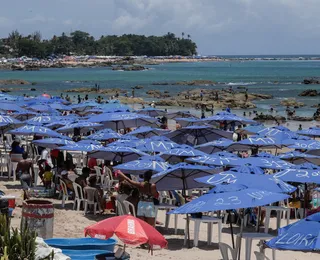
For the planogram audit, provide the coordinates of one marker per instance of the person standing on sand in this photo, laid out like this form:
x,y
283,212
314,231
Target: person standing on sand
x,y
201,95
132,92
79,99
148,191
228,109
23,170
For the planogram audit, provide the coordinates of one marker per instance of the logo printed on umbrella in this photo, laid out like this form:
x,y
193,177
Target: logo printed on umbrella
x,y
131,227
259,194
297,239
5,119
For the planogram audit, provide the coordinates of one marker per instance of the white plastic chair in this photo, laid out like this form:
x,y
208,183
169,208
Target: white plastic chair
x,y
129,208
91,199
260,256
99,173
225,249
120,208
79,197
63,192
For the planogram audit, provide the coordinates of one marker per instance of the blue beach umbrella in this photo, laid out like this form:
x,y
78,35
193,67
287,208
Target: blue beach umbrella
x,y
217,160
104,135
150,111
81,147
189,121
43,108
10,106
53,143
265,163
197,135
36,130
228,118
308,166
303,235
248,170
59,106
263,182
23,114
83,126
88,141
180,153
312,131
255,142
8,123
181,177
128,141
126,120
45,120
179,114
143,164
243,198
214,146
305,145
147,132
276,133
84,106
157,144
117,153
298,157
299,175
251,129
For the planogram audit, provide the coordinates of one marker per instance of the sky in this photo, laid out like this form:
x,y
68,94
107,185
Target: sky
x,y
219,27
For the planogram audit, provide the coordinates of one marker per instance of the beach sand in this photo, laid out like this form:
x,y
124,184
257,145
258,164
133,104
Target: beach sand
x,y
70,223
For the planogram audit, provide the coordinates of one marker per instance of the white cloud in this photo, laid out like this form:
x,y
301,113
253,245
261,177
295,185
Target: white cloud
x,y
218,26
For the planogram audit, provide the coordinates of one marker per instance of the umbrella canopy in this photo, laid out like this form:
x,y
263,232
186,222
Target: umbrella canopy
x,y
128,141
302,235
263,162
157,144
229,118
104,134
299,175
53,143
8,123
248,170
254,142
47,119
277,133
128,229
308,166
126,120
180,153
189,121
117,153
251,129
305,145
88,141
312,131
150,111
84,106
215,146
59,106
147,132
81,147
263,182
36,130
298,157
10,106
181,177
43,108
244,198
143,164
217,160
197,135
83,126
23,115
179,114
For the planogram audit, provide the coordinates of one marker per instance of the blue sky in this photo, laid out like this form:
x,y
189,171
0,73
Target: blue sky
x,y
217,26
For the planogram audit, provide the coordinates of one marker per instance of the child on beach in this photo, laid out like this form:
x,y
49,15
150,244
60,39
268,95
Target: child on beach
x,y
47,177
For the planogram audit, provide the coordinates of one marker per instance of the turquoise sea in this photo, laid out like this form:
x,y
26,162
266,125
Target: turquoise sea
x,y
280,78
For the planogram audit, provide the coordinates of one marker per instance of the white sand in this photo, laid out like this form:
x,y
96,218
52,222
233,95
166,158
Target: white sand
x,y
70,223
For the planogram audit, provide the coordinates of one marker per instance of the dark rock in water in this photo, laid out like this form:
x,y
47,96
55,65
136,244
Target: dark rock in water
x,y
301,118
309,93
160,83
32,89
17,67
138,87
154,92
14,82
311,81
187,83
269,118
166,92
166,102
129,68
291,102
5,90
316,106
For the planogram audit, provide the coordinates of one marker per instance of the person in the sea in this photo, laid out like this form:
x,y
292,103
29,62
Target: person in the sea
x,y
79,99
300,127
148,191
201,94
228,109
86,97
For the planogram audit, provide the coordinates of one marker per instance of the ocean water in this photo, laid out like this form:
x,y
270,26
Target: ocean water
x,y
280,78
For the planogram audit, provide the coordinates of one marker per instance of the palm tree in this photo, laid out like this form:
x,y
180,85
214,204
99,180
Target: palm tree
x,y
182,34
189,36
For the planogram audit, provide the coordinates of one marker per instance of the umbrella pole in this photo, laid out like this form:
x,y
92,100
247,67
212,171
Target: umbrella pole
x,y
232,237
240,235
305,199
185,197
258,219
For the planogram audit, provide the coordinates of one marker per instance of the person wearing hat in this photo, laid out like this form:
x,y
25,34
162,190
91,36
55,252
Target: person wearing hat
x,y
15,146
